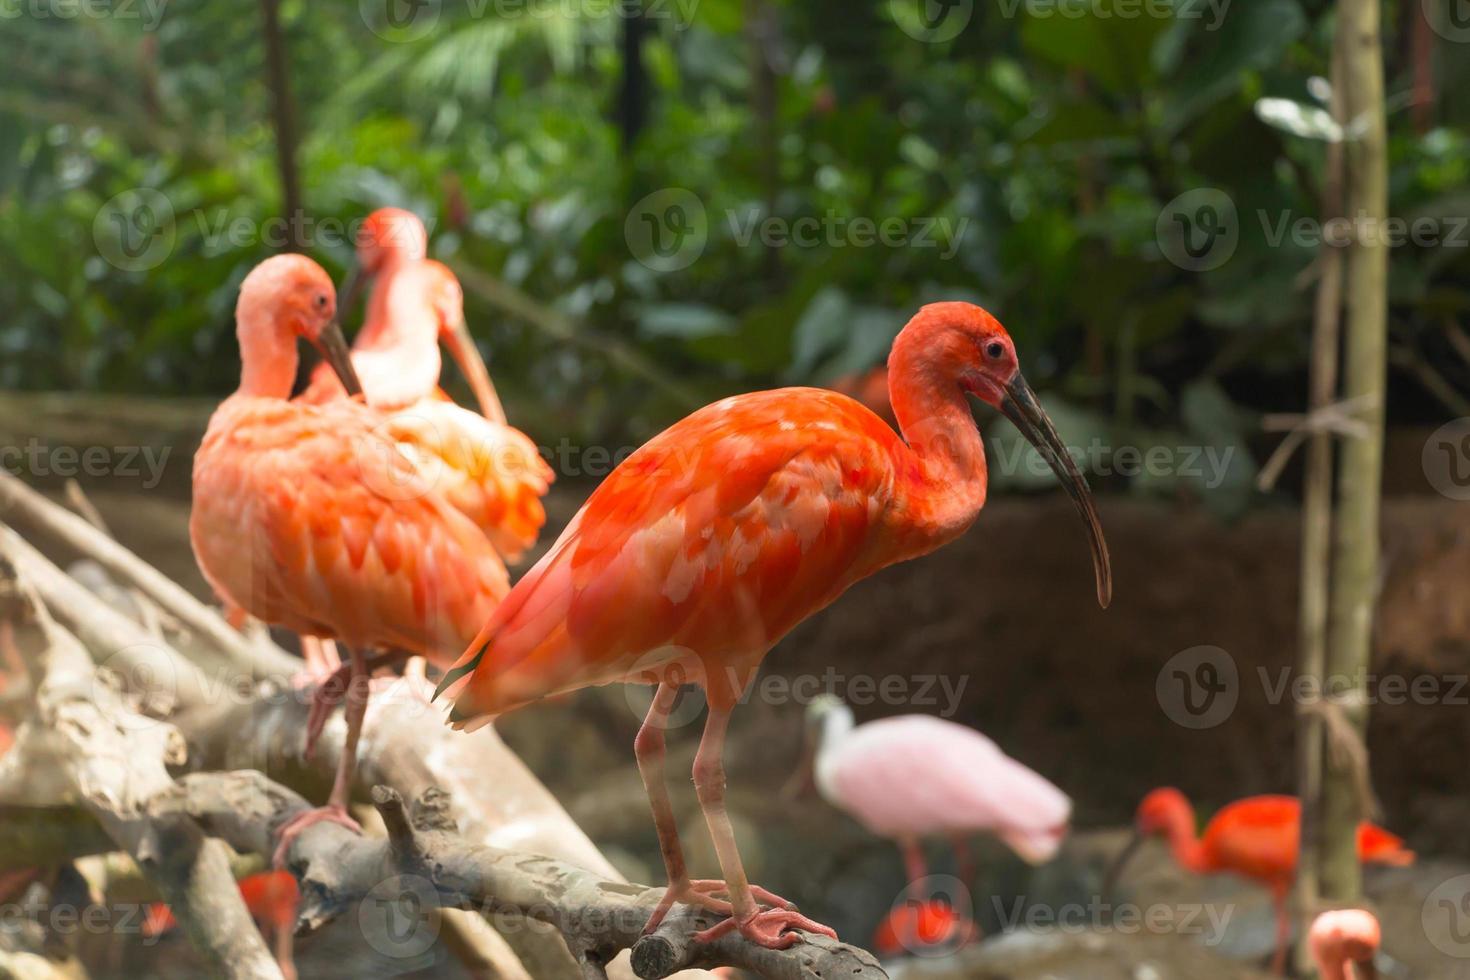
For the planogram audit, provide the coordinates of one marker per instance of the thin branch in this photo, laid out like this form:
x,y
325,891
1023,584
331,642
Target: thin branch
x,y
96,752
16,498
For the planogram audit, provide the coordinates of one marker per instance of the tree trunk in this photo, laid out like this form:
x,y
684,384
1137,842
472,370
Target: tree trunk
x,y
1355,564
283,116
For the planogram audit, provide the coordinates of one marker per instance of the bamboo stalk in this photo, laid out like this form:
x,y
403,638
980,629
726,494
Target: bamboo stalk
x,y
1355,563
1316,555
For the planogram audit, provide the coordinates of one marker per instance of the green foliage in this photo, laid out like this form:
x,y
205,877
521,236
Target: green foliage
x,y
1038,149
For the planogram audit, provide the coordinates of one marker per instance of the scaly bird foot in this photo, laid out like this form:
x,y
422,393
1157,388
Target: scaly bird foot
x,y
771,928
331,813
701,892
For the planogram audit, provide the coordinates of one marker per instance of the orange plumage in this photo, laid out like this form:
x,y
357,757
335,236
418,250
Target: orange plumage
x,y
715,538
489,471
307,517
1258,837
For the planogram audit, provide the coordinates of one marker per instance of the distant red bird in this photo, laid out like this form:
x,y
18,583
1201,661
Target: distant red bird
x,y
1257,837
306,518
1344,943
930,925
271,898
719,535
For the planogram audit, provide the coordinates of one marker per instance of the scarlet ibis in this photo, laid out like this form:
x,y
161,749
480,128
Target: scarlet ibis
x,y
1344,943
270,896
415,303
294,522
909,777
489,470
930,924
715,538
1257,837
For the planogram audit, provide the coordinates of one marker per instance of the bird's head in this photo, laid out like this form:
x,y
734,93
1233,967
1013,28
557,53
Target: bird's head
x,y
1346,935
292,293
1160,811
386,236
961,344
1163,812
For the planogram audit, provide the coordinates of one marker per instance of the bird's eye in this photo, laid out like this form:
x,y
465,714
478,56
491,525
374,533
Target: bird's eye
x,y
995,350
321,301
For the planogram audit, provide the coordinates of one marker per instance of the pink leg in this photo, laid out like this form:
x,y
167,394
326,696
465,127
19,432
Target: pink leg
x,y
336,808
768,928
282,941
1283,933
913,864
648,747
964,859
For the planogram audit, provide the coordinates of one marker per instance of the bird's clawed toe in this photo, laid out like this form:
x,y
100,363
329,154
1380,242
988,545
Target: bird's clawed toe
x,y
292,828
772,928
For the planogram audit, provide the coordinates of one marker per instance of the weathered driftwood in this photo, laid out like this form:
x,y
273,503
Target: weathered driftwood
x,y
260,659
86,746
425,856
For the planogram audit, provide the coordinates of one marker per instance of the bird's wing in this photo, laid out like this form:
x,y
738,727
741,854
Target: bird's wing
x,y
492,473
306,518
701,549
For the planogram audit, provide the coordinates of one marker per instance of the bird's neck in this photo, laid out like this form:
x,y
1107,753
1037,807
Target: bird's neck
x,y
934,416
268,356
1333,964
1184,840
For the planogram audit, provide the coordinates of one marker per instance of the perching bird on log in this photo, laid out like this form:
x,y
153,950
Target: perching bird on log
x,y
715,538
1258,837
304,517
492,472
910,777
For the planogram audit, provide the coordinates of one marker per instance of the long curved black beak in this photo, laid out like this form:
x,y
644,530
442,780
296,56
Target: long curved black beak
x,y
1115,870
1025,412
334,350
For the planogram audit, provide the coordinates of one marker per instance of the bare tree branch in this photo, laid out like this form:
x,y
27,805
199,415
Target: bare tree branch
x,y
95,752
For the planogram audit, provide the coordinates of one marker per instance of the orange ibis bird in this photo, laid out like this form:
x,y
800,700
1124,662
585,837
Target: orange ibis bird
x,y
1344,943
910,777
715,538
415,303
304,517
492,472
271,898
1258,837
